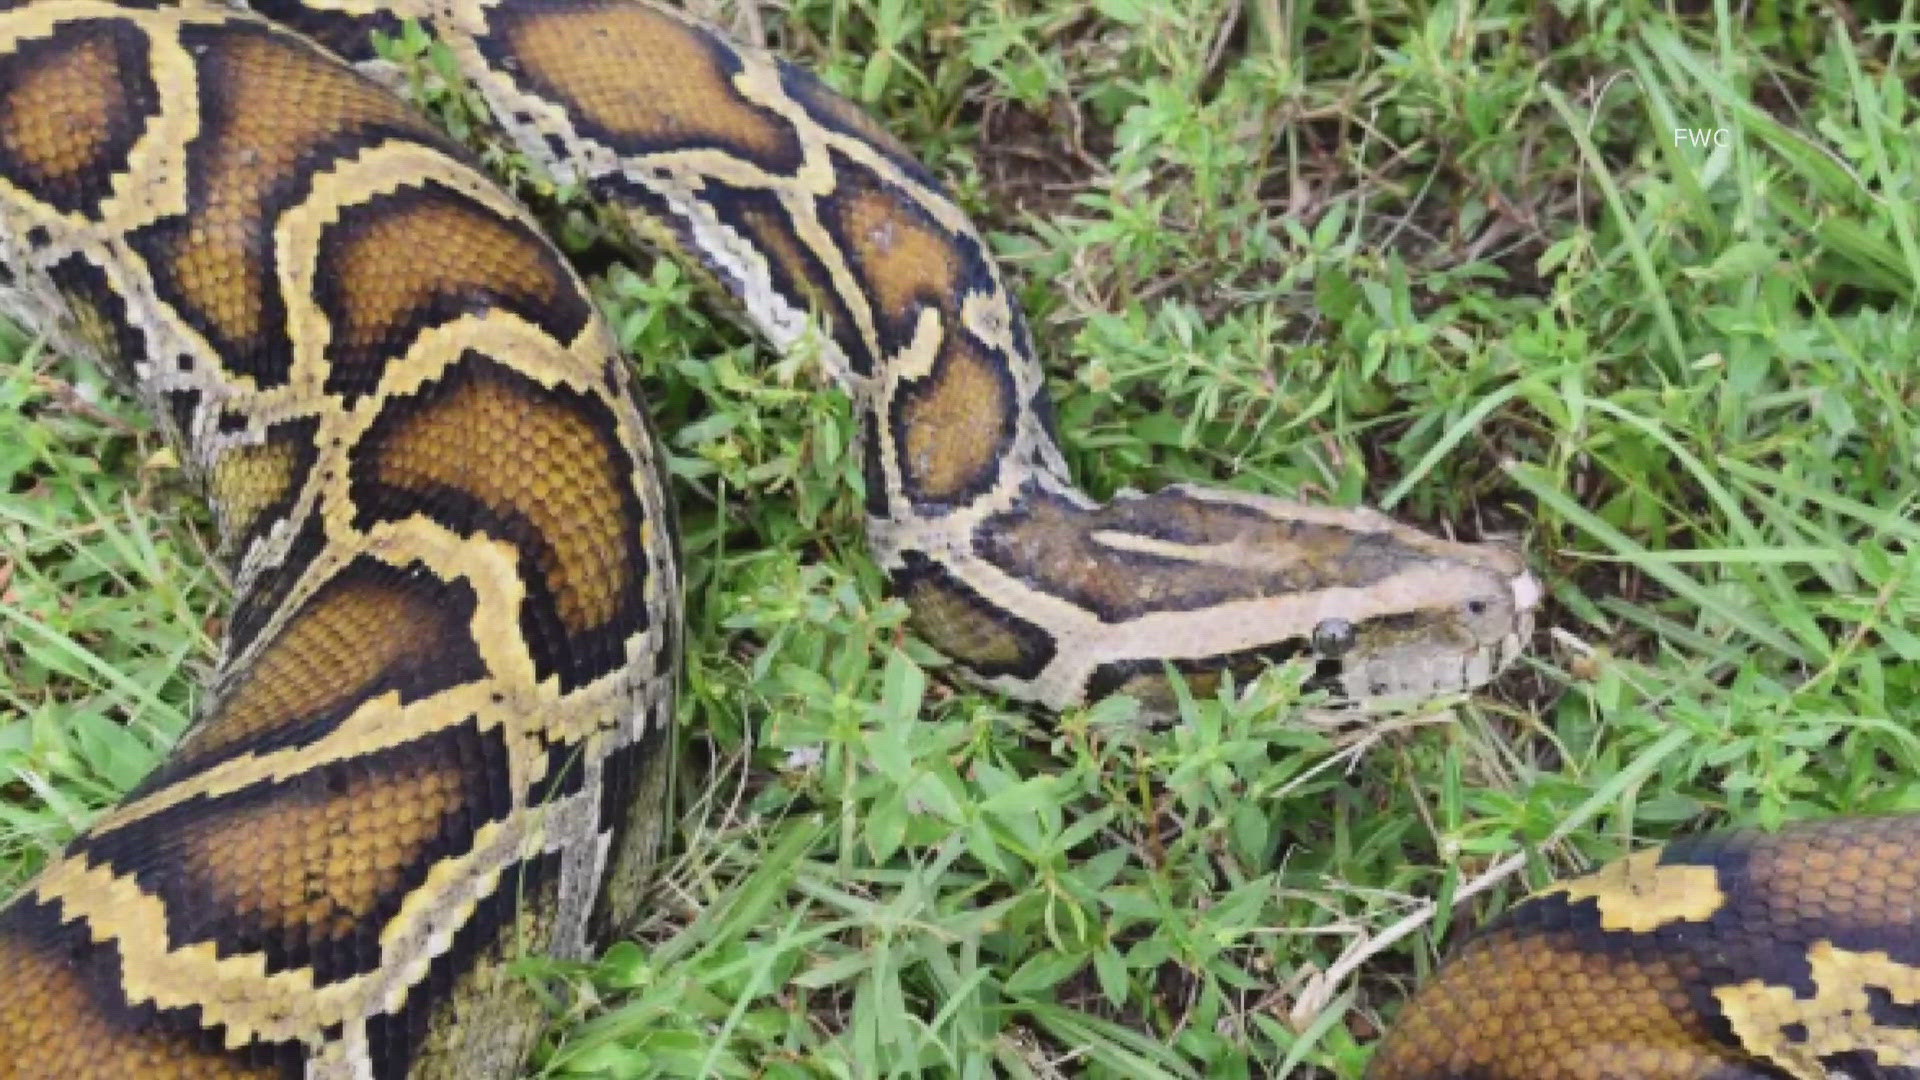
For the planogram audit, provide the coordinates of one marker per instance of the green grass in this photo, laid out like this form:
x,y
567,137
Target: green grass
x,y
1443,258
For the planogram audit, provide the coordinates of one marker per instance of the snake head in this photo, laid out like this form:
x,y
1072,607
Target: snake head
x,y
1419,617
1061,601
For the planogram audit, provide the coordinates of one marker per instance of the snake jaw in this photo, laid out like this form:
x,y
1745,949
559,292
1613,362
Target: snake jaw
x,y
1449,620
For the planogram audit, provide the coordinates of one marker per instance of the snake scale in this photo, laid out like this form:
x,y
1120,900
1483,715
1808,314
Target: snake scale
x,y
437,736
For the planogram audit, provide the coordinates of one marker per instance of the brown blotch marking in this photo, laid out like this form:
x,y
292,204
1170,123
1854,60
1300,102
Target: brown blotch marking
x,y
316,862
254,486
639,79
988,639
308,870
1057,546
901,259
247,480
953,427
1856,874
72,105
524,455
273,111
397,263
360,634
1519,1005
61,1015
1049,544
955,625
1239,553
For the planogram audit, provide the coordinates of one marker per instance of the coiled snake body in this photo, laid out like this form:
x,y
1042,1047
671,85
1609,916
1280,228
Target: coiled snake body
x,y
436,736
1783,956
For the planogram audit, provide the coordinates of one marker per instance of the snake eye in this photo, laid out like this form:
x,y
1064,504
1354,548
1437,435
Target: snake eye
x,y
1476,606
1332,637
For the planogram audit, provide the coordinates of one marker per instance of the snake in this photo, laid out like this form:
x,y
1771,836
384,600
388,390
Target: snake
x,y
1740,955
438,734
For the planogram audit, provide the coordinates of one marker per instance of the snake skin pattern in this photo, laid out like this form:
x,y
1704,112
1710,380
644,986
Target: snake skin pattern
x,y
437,736
1738,956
